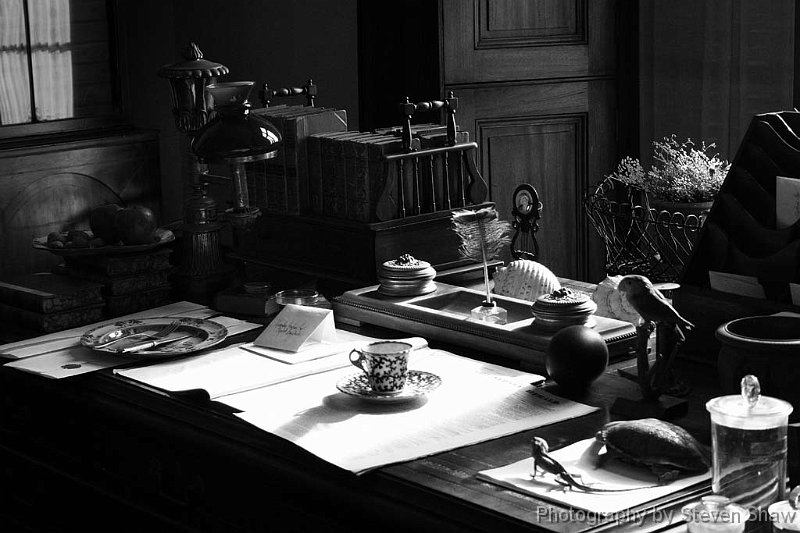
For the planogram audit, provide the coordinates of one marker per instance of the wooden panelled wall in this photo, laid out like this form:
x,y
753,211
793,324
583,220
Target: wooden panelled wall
x,y
537,82
53,187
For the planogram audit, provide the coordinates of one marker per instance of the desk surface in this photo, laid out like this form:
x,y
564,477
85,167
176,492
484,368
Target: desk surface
x,y
96,451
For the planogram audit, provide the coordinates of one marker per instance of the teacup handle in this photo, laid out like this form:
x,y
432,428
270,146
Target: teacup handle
x,y
359,360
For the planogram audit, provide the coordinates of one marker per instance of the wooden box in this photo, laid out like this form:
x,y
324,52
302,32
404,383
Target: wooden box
x,y
741,237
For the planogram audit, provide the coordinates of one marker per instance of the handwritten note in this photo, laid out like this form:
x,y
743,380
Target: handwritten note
x,y
297,327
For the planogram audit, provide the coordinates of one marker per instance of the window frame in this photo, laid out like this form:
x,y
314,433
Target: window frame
x,y
36,133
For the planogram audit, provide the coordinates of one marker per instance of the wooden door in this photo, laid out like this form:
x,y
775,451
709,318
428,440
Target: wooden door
x,y
537,87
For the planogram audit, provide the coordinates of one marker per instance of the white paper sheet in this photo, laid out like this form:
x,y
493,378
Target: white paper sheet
x,y
238,368
71,337
580,458
476,402
76,359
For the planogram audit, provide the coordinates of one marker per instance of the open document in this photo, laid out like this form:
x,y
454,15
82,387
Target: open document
x,y
622,486
475,402
246,366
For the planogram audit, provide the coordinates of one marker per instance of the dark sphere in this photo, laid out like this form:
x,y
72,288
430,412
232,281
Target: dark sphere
x,y
575,357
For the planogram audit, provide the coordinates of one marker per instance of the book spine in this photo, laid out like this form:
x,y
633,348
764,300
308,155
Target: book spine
x,y
51,303
330,197
126,284
314,175
331,120
364,207
123,264
291,132
275,174
51,322
339,178
131,303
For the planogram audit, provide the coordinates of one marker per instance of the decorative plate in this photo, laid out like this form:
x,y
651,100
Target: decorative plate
x,y
204,334
418,384
163,236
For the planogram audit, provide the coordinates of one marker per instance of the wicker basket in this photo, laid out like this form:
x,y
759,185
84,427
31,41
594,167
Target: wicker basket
x,y
639,239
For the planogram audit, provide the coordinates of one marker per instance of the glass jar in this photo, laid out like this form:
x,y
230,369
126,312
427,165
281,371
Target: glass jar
x,y
749,445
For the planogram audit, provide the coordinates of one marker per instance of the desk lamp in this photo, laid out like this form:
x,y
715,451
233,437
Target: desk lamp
x,y
202,270
235,136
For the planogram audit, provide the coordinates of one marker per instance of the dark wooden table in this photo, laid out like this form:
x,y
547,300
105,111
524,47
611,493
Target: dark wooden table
x,y
98,453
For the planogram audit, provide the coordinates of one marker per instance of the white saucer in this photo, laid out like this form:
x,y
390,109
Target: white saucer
x,y
418,384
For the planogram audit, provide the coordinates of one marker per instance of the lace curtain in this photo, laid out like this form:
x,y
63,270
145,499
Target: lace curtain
x,y
51,60
15,96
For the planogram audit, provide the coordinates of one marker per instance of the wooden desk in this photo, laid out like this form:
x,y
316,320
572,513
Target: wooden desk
x,y
96,452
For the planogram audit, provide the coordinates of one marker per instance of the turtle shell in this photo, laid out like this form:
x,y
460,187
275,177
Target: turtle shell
x,y
660,445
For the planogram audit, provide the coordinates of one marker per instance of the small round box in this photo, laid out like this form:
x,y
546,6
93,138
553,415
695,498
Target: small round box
x,y
406,276
562,308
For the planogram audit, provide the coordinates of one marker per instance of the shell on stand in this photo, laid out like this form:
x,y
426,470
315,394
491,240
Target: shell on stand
x,y
525,279
611,302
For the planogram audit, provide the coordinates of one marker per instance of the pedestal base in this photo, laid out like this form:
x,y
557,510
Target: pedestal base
x,y
202,289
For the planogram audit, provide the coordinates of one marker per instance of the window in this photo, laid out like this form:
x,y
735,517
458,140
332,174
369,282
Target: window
x,y
57,70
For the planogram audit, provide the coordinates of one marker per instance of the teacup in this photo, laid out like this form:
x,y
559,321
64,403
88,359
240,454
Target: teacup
x,y
385,364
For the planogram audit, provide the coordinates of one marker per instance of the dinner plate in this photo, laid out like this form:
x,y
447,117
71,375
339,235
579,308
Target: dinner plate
x,y
202,333
418,384
164,236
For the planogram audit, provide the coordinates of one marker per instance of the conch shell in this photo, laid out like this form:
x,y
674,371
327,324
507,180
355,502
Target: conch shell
x,y
525,279
612,303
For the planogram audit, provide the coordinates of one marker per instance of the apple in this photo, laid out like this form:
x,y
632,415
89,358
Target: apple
x,y
101,222
136,225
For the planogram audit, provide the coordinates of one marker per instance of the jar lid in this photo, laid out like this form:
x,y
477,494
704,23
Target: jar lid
x,y
406,276
715,512
297,297
749,410
783,516
563,307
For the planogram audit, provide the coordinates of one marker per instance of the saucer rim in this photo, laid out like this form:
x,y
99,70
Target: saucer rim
x,y
389,398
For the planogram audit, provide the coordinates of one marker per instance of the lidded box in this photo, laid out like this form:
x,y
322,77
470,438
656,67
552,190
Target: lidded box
x,y
562,308
406,276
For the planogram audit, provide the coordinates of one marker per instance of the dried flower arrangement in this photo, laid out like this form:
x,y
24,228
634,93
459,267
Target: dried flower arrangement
x,y
681,171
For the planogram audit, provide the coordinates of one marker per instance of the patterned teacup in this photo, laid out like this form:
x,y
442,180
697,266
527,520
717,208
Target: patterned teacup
x,y
385,364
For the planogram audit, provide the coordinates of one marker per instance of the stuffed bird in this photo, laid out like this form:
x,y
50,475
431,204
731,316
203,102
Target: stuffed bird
x,y
650,303
654,308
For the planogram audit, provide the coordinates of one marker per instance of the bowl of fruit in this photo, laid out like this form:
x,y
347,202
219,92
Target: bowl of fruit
x,y
112,229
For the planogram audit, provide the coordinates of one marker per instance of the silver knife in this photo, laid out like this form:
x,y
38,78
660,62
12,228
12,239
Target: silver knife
x,y
151,344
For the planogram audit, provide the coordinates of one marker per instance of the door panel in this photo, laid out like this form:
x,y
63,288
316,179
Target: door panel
x,y
517,148
536,82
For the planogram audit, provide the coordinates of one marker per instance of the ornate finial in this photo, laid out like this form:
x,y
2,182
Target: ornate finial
x,y
192,52
751,390
407,259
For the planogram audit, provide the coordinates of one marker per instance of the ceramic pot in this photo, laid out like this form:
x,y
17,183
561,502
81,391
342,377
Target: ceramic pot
x,y
767,347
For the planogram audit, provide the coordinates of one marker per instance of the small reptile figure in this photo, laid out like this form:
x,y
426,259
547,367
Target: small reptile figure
x,y
544,462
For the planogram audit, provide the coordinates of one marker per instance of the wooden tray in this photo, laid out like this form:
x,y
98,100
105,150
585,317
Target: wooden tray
x,y
444,315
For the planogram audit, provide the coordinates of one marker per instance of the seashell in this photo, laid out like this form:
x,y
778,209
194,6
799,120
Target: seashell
x,y
525,279
612,303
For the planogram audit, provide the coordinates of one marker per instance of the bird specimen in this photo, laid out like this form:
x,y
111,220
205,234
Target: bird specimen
x,y
655,309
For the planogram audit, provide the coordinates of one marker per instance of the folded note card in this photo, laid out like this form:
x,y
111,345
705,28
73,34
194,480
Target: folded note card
x,y
787,201
736,284
296,327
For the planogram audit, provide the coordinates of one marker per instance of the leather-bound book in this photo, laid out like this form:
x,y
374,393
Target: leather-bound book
x,y
122,264
50,322
45,292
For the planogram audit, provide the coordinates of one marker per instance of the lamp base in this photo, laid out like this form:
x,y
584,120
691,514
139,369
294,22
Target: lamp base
x,y
203,289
